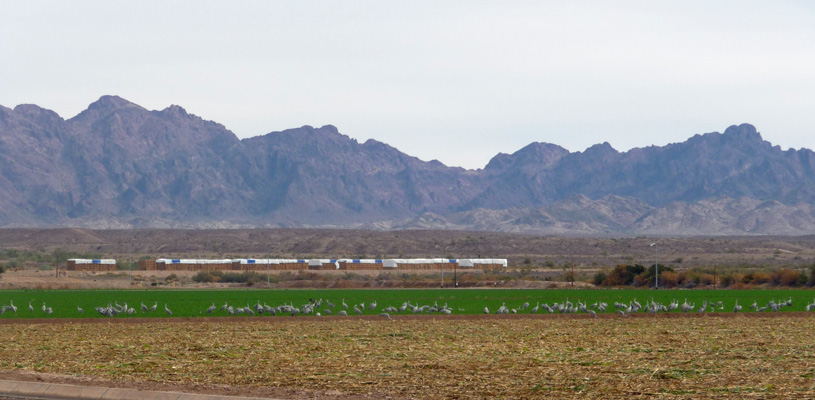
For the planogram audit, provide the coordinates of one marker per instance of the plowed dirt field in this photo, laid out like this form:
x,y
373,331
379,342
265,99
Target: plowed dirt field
x,y
686,356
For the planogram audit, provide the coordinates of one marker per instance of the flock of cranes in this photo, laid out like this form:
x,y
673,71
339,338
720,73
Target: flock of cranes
x,y
324,307
651,306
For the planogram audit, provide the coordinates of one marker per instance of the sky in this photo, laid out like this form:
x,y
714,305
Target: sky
x,y
455,81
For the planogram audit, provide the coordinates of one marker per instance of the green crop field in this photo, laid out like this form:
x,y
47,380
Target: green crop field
x,y
193,303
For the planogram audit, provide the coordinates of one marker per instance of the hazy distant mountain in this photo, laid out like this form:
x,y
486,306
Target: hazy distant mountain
x,y
117,164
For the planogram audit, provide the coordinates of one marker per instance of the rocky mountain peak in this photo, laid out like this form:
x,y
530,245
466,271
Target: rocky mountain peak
x,y
536,153
600,150
174,110
745,132
110,103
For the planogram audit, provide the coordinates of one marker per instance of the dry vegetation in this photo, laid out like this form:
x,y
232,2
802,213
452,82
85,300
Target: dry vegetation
x,y
766,356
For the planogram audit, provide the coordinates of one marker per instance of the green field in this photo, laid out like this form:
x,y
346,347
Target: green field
x,y
193,303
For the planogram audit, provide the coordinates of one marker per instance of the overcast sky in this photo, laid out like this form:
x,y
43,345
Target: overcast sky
x,y
457,81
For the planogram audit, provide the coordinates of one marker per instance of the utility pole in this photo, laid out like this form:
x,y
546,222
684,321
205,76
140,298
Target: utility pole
x,y
455,274
443,260
656,264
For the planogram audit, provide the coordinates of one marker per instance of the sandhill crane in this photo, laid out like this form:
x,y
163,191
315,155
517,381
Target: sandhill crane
x,y
211,308
344,306
30,307
357,310
153,307
79,309
143,307
754,305
167,310
621,312
342,313
486,310
372,306
537,306
13,307
386,315
43,307
737,307
330,304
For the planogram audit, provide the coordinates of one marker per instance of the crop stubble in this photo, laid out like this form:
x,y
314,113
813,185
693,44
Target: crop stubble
x,y
690,356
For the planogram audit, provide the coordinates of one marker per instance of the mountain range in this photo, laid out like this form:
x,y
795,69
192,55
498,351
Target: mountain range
x,y
119,165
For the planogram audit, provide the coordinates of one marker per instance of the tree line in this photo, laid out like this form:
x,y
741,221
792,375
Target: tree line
x,y
638,275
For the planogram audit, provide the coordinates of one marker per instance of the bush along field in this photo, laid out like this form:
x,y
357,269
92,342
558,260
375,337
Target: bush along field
x,y
390,303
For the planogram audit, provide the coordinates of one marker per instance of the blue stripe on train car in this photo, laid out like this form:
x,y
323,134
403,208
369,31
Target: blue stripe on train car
x,y
96,261
176,261
301,261
333,260
250,261
355,262
378,261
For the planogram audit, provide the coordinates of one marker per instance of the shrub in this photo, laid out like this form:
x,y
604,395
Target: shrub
x,y
248,277
811,280
623,275
784,277
802,279
646,278
738,285
755,278
730,279
599,278
171,277
668,279
704,279
206,277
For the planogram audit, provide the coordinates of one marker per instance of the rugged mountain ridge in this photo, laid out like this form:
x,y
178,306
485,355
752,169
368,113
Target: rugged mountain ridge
x,y
117,164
